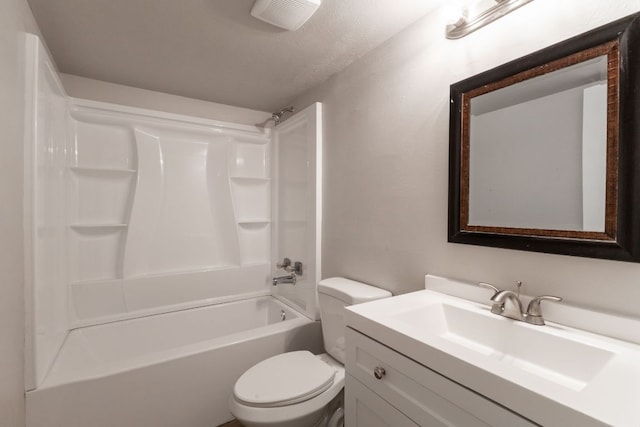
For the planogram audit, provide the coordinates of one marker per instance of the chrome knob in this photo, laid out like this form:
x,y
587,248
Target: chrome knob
x,y
284,264
379,372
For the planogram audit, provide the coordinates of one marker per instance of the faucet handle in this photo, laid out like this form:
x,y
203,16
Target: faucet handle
x,y
496,291
284,264
534,312
296,268
489,286
496,307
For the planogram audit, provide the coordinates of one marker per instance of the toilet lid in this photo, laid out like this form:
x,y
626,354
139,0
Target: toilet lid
x,y
284,379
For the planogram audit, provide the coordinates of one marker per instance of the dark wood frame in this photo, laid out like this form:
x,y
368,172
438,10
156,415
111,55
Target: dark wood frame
x,y
620,41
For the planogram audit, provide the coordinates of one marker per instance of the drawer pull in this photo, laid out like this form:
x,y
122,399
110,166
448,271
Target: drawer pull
x,y
379,372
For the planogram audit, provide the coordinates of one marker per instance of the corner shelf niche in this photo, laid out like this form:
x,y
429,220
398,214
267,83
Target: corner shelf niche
x,y
99,170
251,191
80,227
249,179
100,195
252,203
101,181
96,251
98,216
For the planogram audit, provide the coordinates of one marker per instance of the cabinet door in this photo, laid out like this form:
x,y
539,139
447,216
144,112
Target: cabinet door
x,y
364,408
425,396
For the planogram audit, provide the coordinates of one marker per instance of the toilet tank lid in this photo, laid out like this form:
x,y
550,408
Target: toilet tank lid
x,y
350,291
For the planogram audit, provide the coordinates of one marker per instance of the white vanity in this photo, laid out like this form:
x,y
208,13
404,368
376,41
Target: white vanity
x,y
409,394
439,357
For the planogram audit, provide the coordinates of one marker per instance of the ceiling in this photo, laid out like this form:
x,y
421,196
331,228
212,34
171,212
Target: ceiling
x,y
214,49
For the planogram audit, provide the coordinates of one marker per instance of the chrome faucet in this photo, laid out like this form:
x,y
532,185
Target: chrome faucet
x,y
289,278
294,270
507,303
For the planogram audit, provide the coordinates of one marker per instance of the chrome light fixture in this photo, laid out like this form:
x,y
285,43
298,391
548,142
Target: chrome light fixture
x,y
479,14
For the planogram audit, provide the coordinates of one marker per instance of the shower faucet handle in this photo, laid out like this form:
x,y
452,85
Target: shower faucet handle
x,y
289,267
297,268
284,264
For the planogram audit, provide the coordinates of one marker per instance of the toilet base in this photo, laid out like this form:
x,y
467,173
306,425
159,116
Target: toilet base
x,y
334,413
319,418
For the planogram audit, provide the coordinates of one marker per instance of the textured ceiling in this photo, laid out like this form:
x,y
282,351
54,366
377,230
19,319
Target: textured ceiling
x,y
213,49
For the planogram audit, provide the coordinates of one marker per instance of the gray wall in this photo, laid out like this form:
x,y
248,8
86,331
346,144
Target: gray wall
x,y
15,17
386,161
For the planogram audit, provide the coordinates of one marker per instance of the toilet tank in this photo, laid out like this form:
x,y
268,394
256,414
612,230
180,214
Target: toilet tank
x,y
334,295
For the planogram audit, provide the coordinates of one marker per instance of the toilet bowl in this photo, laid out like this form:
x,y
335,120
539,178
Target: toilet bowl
x,y
308,401
299,389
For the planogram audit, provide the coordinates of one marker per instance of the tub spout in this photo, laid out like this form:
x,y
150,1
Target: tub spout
x,y
290,278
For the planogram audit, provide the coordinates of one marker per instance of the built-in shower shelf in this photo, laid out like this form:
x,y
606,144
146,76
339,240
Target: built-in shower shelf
x,y
94,170
254,221
115,281
81,227
250,179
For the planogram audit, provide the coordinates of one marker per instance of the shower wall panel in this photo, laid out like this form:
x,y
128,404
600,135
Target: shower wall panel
x,y
165,210
182,217
298,204
45,224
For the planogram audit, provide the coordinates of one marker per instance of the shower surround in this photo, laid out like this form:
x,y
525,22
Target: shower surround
x,y
131,213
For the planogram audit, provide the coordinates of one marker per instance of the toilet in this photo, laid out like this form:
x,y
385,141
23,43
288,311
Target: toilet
x,y
298,388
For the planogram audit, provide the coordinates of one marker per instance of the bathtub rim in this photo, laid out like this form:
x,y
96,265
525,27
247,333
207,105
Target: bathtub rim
x,y
55,379
111,318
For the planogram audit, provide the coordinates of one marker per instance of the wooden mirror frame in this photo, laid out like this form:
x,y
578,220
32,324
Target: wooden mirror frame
x,y
620,42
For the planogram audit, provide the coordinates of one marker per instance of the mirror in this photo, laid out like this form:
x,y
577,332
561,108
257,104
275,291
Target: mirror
x,y
543,150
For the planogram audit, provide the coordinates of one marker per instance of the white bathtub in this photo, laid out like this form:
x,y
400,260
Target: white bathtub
x,y
175,369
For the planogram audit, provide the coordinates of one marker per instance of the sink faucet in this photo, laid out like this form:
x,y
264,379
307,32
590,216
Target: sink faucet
x,y
507,303
289,278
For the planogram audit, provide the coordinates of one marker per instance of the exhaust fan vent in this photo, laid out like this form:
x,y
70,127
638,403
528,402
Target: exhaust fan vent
x,y
287,14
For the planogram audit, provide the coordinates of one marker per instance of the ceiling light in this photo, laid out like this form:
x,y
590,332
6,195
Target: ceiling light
x,y
287,14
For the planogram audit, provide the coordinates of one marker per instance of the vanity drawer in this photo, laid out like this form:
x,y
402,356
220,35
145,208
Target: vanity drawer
x,y
426,397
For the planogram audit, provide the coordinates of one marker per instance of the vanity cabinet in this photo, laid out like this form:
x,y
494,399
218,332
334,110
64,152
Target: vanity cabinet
x,y
406,393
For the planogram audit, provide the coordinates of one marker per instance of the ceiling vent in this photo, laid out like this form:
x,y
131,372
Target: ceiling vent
x,y
287,14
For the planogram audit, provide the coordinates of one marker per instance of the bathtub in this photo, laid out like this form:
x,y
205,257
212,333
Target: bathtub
x,y
173,369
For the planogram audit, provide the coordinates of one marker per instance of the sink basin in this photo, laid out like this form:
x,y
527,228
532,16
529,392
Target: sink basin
x,y
554,375
534,349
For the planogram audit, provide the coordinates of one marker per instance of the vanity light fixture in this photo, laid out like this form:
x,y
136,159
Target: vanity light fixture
x,y
479,14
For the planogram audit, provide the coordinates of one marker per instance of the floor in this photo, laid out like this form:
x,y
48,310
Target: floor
x,y
234,423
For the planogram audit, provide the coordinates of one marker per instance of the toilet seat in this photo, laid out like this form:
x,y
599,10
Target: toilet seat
x,y
285,379
305,413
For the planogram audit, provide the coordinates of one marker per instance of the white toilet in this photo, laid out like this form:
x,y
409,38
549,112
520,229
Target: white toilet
x,y
299,389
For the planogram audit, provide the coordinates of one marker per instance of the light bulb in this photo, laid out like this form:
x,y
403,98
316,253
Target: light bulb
x,y
454,13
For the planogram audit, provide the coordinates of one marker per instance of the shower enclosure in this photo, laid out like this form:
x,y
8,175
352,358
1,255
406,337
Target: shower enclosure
x,y
131,212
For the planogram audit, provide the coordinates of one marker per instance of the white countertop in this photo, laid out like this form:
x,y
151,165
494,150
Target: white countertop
x,y
609,395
